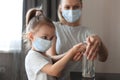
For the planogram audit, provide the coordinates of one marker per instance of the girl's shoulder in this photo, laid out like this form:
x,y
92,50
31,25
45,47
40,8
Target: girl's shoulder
x,y
34,54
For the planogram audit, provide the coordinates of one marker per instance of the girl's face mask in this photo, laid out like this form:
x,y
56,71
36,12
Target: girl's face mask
x,y
42,45
71,15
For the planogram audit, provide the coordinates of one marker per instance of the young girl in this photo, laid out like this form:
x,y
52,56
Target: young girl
x,y
40,32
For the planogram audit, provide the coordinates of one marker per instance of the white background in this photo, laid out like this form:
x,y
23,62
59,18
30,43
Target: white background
x,y
10,24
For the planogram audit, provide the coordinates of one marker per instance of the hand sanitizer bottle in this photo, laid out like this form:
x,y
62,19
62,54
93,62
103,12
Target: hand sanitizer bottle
x,y
88,67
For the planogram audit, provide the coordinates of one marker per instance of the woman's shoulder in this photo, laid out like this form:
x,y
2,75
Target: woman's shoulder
x,y
56,23
58,26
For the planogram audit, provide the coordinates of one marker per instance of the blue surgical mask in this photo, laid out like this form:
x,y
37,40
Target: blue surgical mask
x,y
71,15
41,45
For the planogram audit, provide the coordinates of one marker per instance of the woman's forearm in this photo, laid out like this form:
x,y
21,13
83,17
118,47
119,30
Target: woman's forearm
x,y
103,53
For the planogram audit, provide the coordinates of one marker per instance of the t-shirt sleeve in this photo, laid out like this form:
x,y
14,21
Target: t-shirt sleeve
x,y
57,27
36,62
55,23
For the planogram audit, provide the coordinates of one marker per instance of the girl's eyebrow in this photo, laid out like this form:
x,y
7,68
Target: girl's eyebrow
x,y
44,34
47,35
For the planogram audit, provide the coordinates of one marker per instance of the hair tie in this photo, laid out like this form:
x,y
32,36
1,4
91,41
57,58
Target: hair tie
x,y
39,13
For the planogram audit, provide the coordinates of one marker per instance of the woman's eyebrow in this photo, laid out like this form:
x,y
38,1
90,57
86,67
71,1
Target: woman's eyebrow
x,y
75,4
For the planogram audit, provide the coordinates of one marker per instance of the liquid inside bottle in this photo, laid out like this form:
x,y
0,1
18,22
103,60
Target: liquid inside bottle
x,y
88,68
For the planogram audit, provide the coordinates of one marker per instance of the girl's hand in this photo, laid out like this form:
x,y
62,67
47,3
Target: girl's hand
x,y
79,53
93,46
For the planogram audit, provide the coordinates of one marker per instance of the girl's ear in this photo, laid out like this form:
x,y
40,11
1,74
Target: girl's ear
x,y
30,36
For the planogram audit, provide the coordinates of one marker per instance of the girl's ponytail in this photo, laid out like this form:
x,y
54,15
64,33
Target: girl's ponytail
x,y
32,13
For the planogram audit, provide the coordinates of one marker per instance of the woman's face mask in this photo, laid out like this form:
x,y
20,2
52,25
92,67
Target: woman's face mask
x,y
41,45
71,10
71,15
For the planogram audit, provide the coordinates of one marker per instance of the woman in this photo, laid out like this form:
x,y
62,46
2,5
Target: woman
x,y
69,32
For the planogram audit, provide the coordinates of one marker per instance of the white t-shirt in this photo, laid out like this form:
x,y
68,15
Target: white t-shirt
x,y
67,37
34,62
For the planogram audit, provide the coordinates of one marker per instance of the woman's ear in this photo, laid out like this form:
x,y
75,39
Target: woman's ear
x,y
81,4
60,8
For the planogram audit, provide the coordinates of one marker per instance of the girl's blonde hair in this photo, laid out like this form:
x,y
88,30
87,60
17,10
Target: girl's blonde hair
x,y
35,17
61,19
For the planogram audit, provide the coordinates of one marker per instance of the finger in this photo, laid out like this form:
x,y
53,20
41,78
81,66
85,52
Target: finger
x,y
81,48
88,46
75,57
88,40
92,50
92,38
96,38
79,57
78,45
95,55
87,49
80,51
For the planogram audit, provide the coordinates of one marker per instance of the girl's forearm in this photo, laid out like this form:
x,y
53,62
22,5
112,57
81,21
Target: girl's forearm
x,y
57,57
60,64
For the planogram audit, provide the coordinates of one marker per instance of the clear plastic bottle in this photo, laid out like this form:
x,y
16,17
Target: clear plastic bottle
x,y
88,68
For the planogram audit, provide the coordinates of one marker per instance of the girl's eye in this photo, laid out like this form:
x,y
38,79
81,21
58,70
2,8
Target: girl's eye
x,y
44,37
51,38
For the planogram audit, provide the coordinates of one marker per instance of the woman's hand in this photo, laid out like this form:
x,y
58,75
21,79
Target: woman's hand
x,y
93,46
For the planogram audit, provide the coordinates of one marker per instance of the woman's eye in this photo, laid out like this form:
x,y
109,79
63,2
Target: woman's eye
x,y
67,7
76,7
